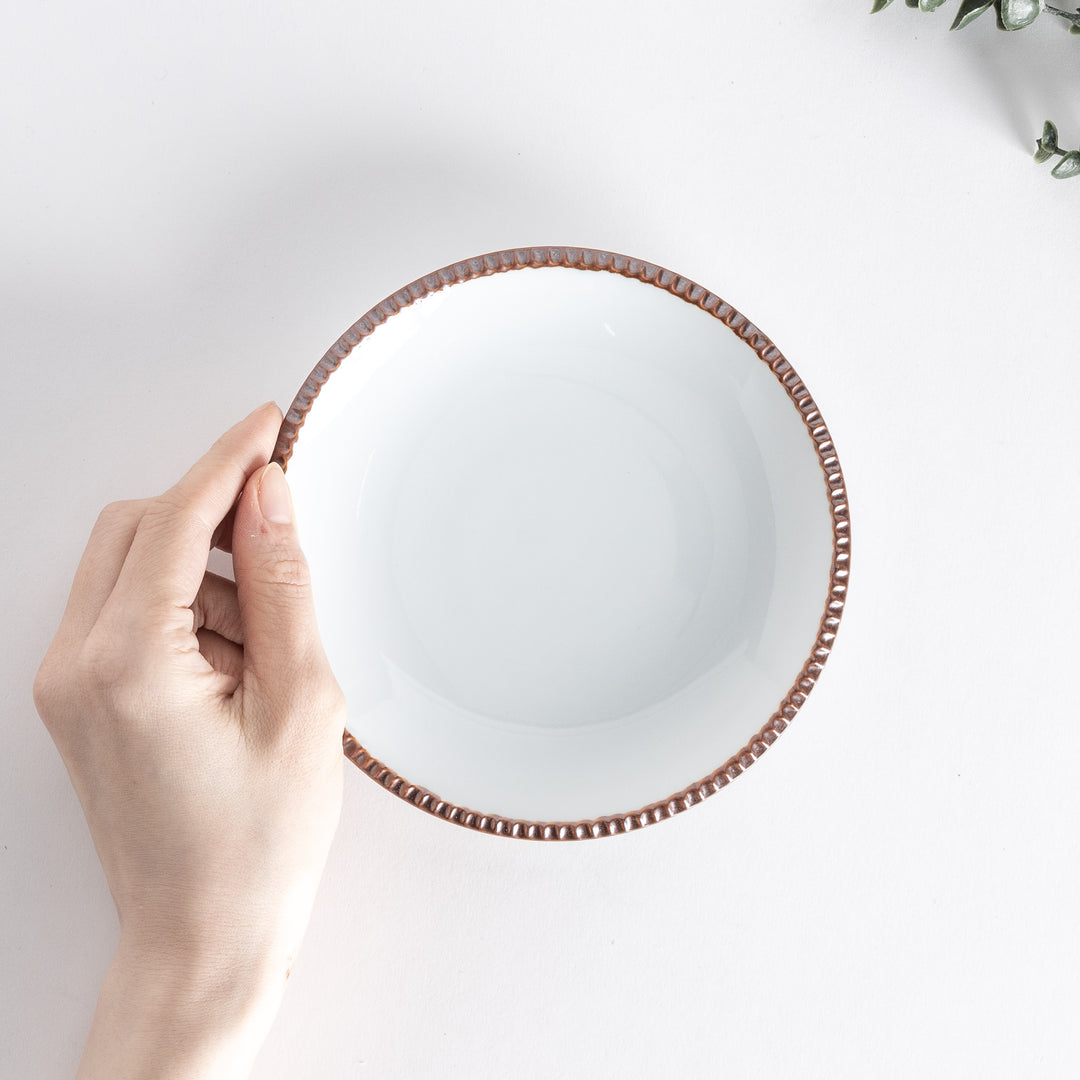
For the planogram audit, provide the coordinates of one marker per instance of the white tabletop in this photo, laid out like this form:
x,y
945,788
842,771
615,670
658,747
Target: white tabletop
x,y
196,203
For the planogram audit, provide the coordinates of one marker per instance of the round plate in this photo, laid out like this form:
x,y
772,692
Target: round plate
x,y
578,538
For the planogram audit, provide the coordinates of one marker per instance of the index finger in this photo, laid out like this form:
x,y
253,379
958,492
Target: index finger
x,y
167,558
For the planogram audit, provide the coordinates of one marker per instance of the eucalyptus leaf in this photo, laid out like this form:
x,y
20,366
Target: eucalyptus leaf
x,y
930,5
1068,166
1016,14
879,5
1041,152
912,3
1049,136
969,11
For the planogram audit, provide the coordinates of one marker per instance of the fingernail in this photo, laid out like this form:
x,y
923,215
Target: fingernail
x,y
274,499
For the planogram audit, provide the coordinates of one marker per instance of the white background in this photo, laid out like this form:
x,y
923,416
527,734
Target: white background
x,y
195,202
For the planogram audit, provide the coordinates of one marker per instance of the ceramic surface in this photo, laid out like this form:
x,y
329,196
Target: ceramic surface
x,y
571,539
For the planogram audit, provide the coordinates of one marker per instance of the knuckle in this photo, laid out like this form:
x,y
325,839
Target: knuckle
x,y
117,516
46,689
62,687
173,510
287,573
105,674
202,606
119,510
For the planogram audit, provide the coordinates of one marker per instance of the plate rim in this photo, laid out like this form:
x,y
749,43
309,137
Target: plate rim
x,y
598,260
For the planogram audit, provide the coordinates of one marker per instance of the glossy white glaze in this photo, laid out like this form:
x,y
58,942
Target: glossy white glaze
x,y
570,541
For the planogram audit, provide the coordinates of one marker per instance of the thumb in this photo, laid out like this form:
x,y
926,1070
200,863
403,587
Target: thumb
x,y
283,654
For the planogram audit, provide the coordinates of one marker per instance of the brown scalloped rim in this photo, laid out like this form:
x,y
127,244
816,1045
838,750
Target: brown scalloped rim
x,y
589,259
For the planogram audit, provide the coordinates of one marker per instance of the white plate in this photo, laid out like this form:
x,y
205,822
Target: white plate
x,y
578,540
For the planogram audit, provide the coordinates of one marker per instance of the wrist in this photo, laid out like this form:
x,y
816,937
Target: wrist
x,y
172,1015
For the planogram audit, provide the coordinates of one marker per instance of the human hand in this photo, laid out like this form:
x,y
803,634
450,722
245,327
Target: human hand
x,y
201,726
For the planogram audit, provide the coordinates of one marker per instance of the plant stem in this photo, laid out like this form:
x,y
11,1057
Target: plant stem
x,y
1074,19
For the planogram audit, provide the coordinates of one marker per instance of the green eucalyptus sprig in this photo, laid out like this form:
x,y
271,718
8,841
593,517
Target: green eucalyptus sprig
x,y
1047,147
1013,15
